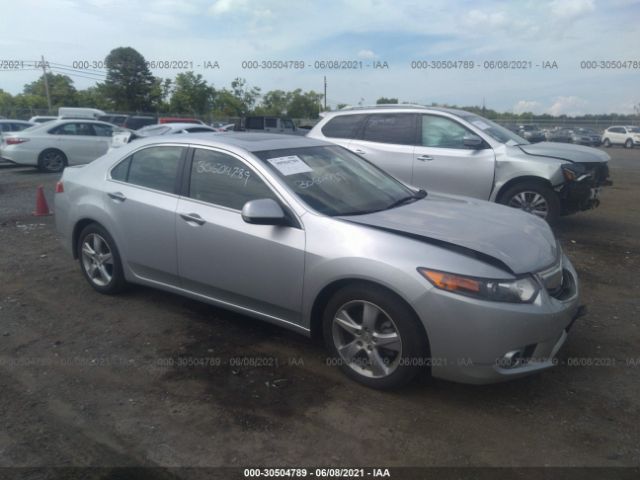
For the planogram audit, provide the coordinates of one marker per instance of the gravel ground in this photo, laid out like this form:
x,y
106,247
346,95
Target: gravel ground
x,y
92,380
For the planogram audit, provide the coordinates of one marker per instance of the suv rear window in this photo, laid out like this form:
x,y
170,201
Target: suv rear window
x,y
343,126
395,128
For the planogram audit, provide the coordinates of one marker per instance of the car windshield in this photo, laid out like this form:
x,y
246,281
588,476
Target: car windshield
x,y
495,131
334,181
634,129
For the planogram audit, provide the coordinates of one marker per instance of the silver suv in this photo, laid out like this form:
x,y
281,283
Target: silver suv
x,y
461,153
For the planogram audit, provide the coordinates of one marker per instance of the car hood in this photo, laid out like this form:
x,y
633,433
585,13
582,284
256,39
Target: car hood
x,y
500,235
564,151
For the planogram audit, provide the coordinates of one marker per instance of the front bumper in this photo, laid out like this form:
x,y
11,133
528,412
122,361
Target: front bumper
x,y
470,338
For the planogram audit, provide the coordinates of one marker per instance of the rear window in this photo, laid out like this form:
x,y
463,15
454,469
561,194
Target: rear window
x,y
343,126
271,122
153,167
395,128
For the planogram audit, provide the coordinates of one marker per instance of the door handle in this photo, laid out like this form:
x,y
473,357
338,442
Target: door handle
x,y
359,152
424,158
117,196
193,217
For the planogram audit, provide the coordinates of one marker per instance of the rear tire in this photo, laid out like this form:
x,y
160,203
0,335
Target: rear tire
x,y
100,260
534,198
607,143
52,160
375,337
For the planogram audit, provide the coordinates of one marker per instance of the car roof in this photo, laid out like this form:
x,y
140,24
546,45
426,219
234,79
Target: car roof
x,y
396,107
9,120
249,141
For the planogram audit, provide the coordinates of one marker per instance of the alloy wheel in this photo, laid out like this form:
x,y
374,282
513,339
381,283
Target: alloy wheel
x,y
53,161
97,259
531,202
367,339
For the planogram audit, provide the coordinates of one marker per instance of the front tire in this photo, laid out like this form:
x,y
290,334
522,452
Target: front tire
x,y
607,143
52,161
376,338
628,143
100,261
535,198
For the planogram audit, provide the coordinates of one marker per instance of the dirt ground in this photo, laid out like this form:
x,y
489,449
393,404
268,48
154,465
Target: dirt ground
x,y
93,380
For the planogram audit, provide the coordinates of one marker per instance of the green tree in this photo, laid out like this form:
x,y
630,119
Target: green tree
x,y
191,94
274,102
304,104
383,100
94,97
130,85
61,90
6,103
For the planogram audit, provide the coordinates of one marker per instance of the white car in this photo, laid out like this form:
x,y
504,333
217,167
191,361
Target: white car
x,y
626,135
54,145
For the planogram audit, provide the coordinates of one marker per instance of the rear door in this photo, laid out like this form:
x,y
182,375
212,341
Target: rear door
x,y
220,256
77,140
141,200
442,162
388,140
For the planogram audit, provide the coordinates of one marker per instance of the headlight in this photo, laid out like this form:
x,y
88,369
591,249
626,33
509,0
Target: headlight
x,y
521,290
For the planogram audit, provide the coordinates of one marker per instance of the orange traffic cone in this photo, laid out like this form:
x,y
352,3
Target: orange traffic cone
x,y
42,209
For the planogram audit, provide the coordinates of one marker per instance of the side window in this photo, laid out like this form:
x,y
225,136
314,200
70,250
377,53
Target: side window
x,y
65,129
5,127
442,132
102,130
287,123
271,122
223,180
255,123
343,126
395,128
85,129
156,168
121,171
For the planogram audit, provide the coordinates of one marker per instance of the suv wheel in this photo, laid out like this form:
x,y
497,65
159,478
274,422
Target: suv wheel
x,y
375,337
534,198
628,143
606,143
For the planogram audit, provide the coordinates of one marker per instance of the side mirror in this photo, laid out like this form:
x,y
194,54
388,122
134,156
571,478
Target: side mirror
x,y
264,211
472,141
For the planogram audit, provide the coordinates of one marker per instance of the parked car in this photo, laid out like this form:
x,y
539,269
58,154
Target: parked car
x,y
309,236
531,133
54,145
174,128
458,152
629,136
42,118
114,118
562,135
80,113
585,136
266,124
136,122
179,120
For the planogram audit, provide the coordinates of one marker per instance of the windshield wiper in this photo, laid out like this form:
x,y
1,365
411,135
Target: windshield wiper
x,y
411,198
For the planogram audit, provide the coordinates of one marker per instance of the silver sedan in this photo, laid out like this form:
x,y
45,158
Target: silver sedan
x,y
312,237
52,146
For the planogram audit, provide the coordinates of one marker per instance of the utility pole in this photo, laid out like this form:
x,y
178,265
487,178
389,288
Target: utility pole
x,y
46,83
325,93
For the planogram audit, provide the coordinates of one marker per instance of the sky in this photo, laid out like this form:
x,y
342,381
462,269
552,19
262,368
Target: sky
x,y
393,34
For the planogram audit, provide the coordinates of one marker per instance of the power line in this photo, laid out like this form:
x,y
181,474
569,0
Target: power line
x,y
83,72
75,74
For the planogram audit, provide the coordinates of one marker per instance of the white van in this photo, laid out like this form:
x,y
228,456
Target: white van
x,y
74,112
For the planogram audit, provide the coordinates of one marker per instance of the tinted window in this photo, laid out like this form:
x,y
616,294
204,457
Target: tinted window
x,y
103,130
198,129
286,123
442,132
270,122
156,167
256,123
223,180
396,128
5,127
66,129
343,126
121,171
